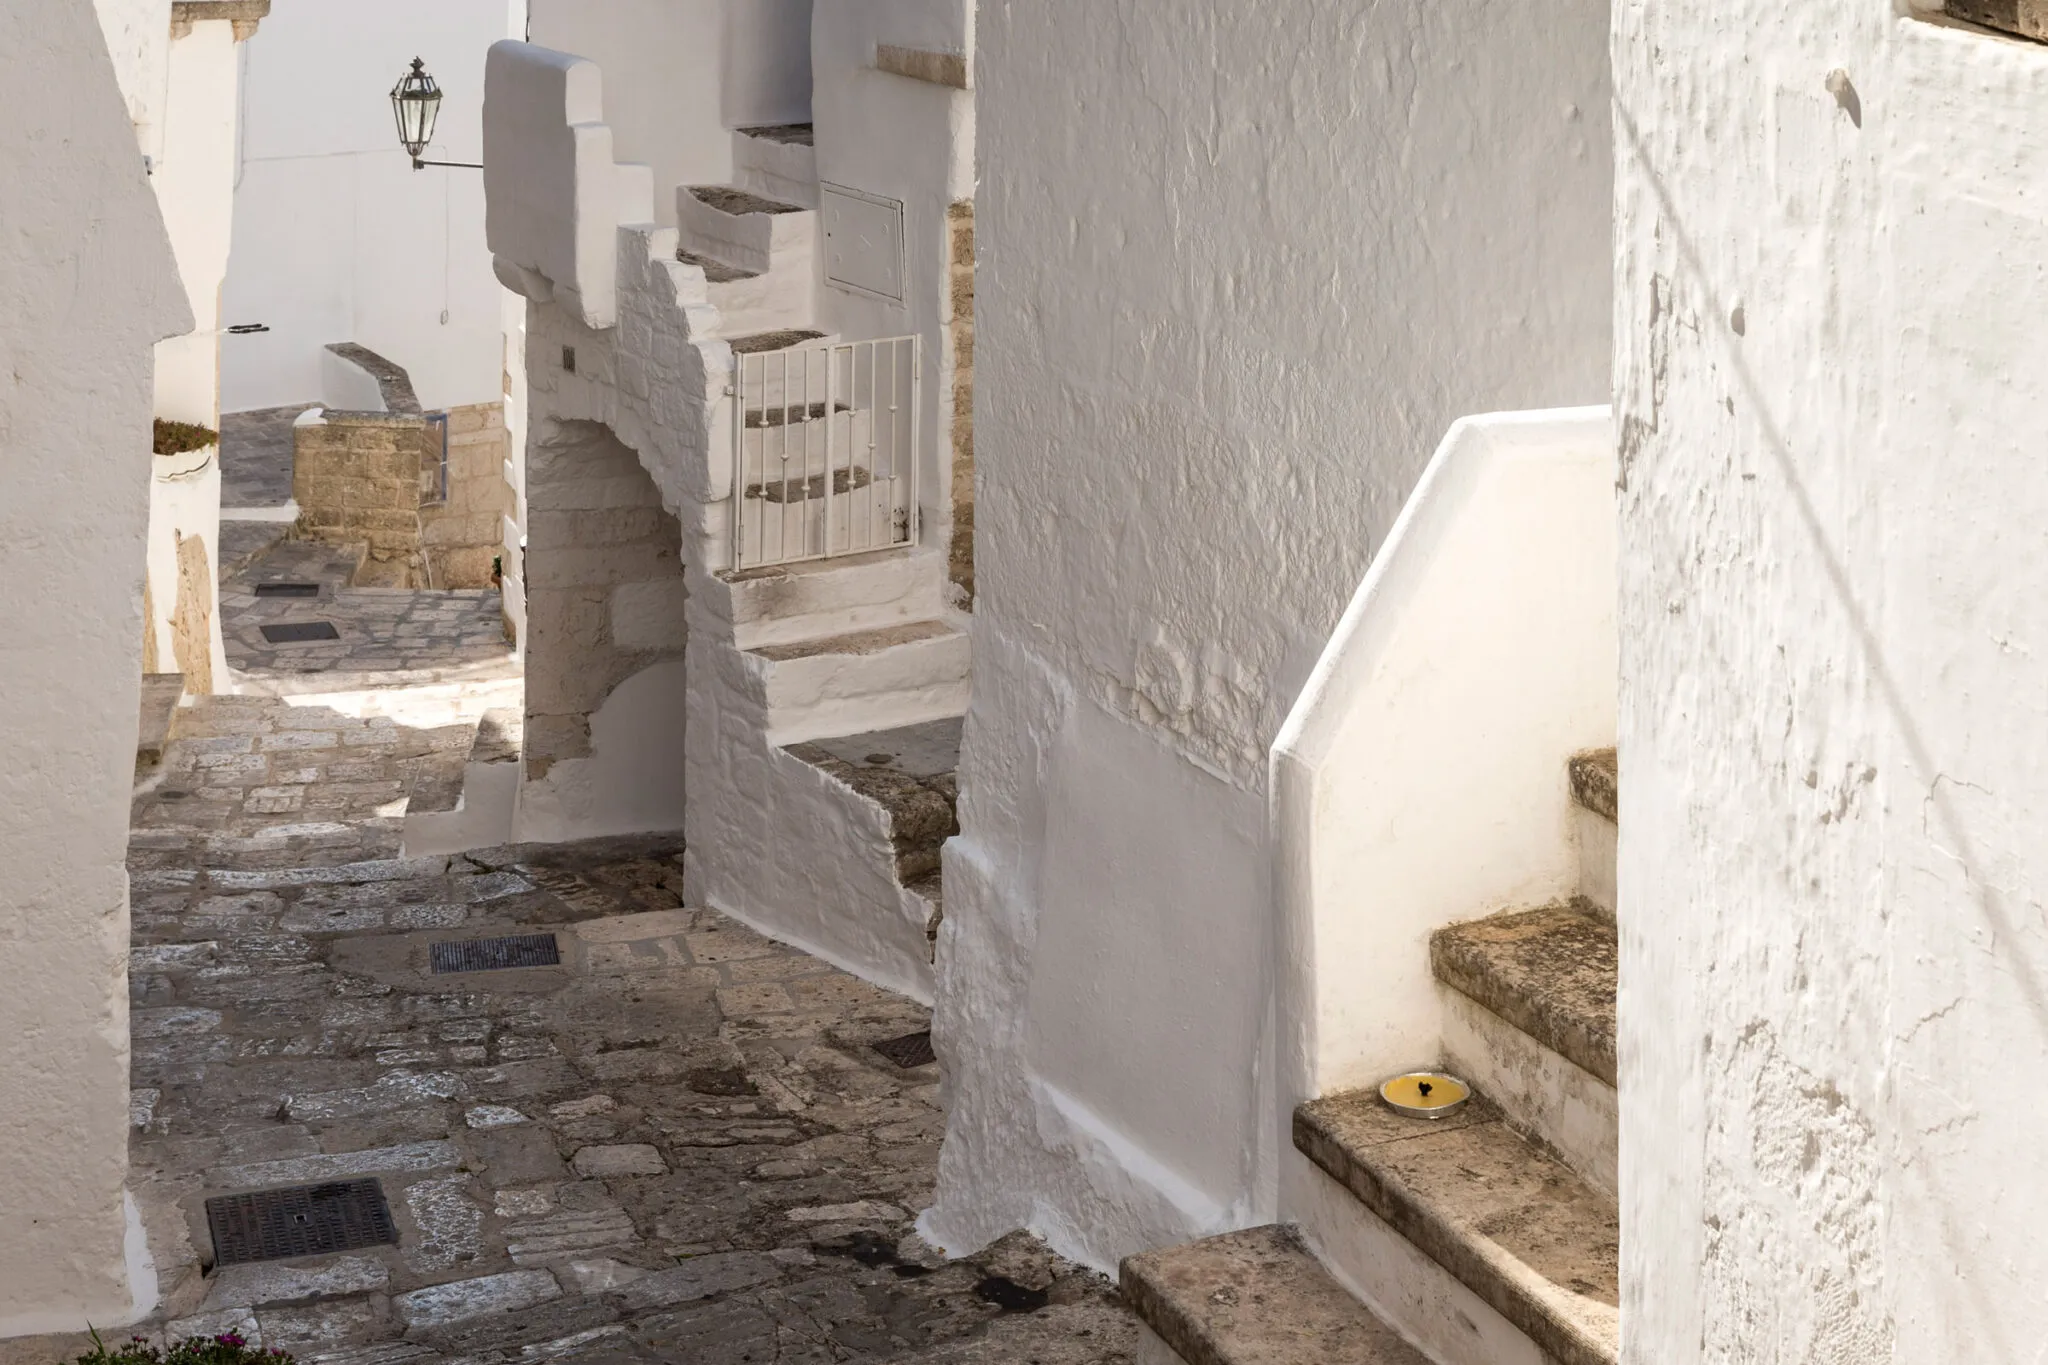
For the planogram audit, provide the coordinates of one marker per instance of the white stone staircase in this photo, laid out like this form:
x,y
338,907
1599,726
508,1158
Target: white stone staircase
x,y
1490,1237
779,162
758,257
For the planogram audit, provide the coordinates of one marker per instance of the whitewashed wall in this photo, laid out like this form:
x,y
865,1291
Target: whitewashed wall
x,y
1833,385
337,238
138,35
679,74
767,62
910,142
89,285
1240,269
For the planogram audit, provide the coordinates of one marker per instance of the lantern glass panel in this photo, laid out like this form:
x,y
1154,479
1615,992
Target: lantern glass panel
x,y
416,103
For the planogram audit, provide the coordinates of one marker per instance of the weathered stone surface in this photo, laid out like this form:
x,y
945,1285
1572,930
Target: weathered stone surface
x,y
630,1159
700,1278
1518,1227
1596,782
442,1304
1551,973
1256,1297
253,1286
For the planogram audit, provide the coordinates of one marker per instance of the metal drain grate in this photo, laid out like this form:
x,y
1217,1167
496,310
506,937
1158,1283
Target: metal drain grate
x,y
287,589
913,1050
299,632
497,954
307,1220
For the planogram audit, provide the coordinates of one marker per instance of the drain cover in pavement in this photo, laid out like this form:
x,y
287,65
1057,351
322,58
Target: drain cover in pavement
x,y
912,1051
497,954
287,589
299,632
307,1220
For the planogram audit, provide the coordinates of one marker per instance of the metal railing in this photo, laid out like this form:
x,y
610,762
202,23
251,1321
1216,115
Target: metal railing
x,y
825,444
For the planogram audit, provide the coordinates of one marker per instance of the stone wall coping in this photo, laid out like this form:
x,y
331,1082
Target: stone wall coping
x,y
925,64
243,14
341,417
392,380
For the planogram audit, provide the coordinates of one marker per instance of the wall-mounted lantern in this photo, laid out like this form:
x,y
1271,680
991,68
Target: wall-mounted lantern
x,y
416,102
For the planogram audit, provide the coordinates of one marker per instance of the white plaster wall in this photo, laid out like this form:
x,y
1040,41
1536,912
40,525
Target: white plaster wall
x,y
138,36
87,286
1421,778
1240,269
1832,382
911,141
555,195
337,238
194,180
767,77
663,62
632,782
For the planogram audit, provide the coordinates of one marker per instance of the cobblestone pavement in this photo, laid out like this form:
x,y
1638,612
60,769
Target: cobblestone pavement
x,y
424,636
680,1144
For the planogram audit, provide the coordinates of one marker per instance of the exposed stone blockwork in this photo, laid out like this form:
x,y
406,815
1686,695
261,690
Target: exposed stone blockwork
x,y
356,477
464,532
2028,18
604,584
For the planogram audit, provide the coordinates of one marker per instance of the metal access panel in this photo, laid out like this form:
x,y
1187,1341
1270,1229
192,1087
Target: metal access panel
x,y
300,632
497,954
287,589
863,241
306,1220
911,1051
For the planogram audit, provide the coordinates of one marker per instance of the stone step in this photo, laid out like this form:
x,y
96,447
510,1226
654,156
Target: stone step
x,y
161,693
779,162
908,776
1512,1225
910,773
1595,778
780,339
471,802
1256,1297
751,302
784,603
746,230
868,680
1529,1021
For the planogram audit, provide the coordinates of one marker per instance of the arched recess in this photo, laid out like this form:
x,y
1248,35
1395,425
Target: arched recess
x,y
605,643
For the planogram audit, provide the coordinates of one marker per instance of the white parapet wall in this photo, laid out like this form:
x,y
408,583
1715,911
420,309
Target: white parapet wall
x,y
1420,779
554,198
91,285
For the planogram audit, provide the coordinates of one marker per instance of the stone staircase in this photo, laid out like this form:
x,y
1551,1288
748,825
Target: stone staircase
x,y
907,780
811,680
1485,1237
467,797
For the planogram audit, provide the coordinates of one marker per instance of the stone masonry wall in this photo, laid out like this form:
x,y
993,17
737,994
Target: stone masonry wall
x,y
464,534
356,478
960,335
605,592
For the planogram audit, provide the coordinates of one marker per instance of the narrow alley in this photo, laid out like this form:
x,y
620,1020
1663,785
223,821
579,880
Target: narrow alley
x,y
629,1131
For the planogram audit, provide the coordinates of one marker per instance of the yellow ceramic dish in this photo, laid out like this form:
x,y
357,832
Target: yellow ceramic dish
x,y
1425,1094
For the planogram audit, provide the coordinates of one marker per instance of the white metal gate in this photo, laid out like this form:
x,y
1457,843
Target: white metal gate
x,y
825,450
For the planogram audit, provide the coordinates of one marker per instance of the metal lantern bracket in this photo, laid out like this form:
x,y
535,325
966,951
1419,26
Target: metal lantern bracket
x,y
416,104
